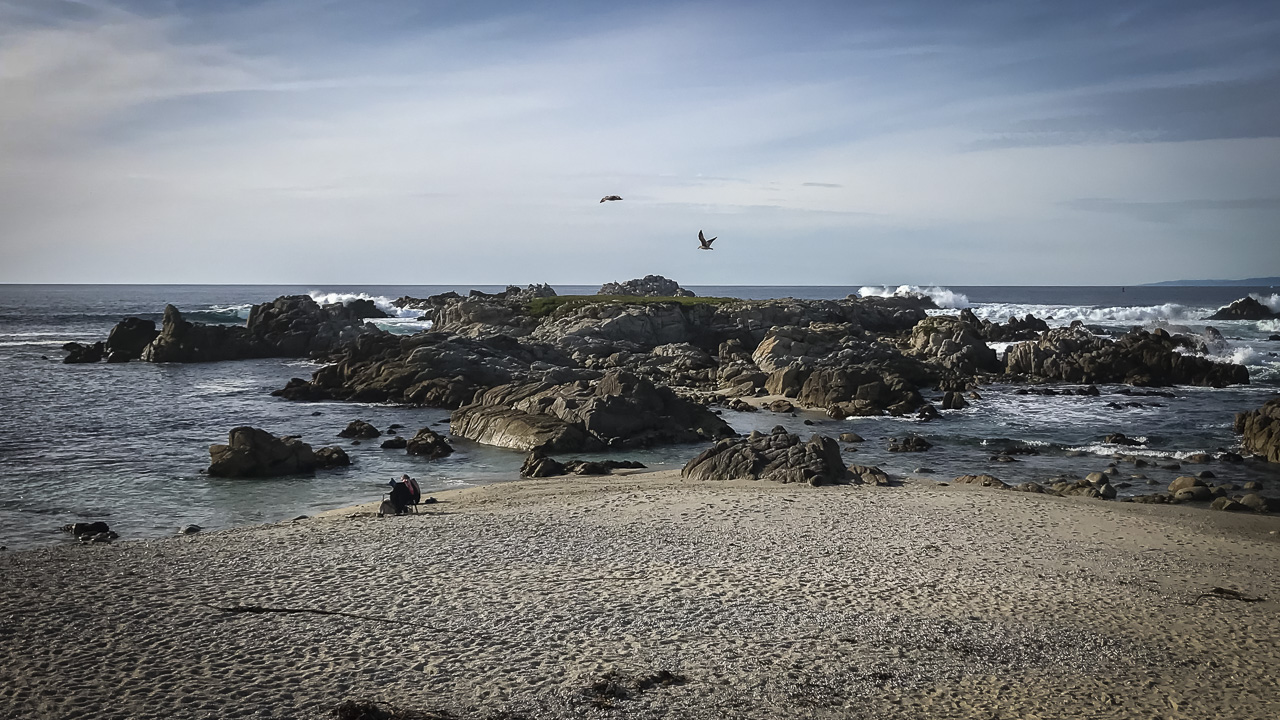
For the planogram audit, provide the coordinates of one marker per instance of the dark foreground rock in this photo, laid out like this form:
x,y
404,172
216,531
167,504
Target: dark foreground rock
x,y
252,452
1259,430
778,456
428,443
617,410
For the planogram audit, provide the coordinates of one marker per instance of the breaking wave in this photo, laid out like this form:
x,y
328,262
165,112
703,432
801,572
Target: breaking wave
x,y
941,297
1271,301
382,303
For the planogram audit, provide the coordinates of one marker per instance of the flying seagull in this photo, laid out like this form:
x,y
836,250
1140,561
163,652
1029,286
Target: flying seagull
x,y
706,244
607,198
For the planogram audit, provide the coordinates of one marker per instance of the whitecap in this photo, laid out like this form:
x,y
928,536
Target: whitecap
x,y
1272,301
942,297
382,303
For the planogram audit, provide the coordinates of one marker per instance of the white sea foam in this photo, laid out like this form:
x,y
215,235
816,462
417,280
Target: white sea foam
x,y
1272,301
382,303
1121,316
240,312
941,297
1269,326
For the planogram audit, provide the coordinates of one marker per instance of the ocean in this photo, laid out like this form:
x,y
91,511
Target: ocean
x,y
128,443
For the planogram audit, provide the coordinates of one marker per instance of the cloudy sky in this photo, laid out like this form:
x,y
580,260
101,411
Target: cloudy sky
x,y
838,143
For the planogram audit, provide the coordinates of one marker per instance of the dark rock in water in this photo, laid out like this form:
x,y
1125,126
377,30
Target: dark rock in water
x,y
983,480
599,467
539,465
360,429
928,412
80,353
1246,308
333,456
251,452
1259,430
647,286
618,410
1073,354
1121,439
82,528
290,326
868,475
778,456
1273,338
850,437
430,443
189,529
954,401
911,443
129,338
395,443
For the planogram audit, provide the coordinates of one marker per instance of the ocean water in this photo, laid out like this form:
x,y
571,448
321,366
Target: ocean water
x,y
128,443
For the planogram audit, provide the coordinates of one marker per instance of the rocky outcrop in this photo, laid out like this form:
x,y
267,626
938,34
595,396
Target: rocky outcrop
x,y
1246,308
1259,430
868,475
778,456
360,430
983,480
290,326
428,443
331,457
538,464
647,286
129,338
617,410
80,353
952,344
1142,358
252,452
1014,329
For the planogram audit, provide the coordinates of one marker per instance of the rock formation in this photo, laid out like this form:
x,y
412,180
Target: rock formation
x,y
647,286
252,452
778,456
1246,308
1259,430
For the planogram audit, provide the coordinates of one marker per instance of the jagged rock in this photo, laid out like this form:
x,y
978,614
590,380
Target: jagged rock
x,y
1073,354
1260,430
1229,505
983,480
954,401
647,286
129,338
911,443
251,452
617,410
290,326
868,475
81,353
1027,328
953,344
361,430
395,443
928,412
778,456
1246,308
537,464
333,456
430,443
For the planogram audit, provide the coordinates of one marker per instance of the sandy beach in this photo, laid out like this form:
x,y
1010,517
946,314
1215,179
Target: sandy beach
x,y
646,596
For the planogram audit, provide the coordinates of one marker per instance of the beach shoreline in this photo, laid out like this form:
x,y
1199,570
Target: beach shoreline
x,y
645,595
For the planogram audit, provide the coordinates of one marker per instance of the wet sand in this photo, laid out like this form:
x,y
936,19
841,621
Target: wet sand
x,y
645,596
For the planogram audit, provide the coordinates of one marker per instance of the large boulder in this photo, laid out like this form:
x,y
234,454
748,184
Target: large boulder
x,y
617,410
129,338
1259,430
1246,308
647,286
954,345
428,443
778,456
252,452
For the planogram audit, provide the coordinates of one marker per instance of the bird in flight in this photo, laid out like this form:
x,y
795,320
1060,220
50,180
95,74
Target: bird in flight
x,y
706,244
608,198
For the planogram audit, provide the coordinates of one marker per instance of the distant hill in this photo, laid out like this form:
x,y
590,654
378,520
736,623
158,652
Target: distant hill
x,y
1250,282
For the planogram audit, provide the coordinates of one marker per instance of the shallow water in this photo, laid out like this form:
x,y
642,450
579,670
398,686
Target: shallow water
x,y
128,443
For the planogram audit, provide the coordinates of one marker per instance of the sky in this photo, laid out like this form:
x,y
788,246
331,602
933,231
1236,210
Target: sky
x,y
999,142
